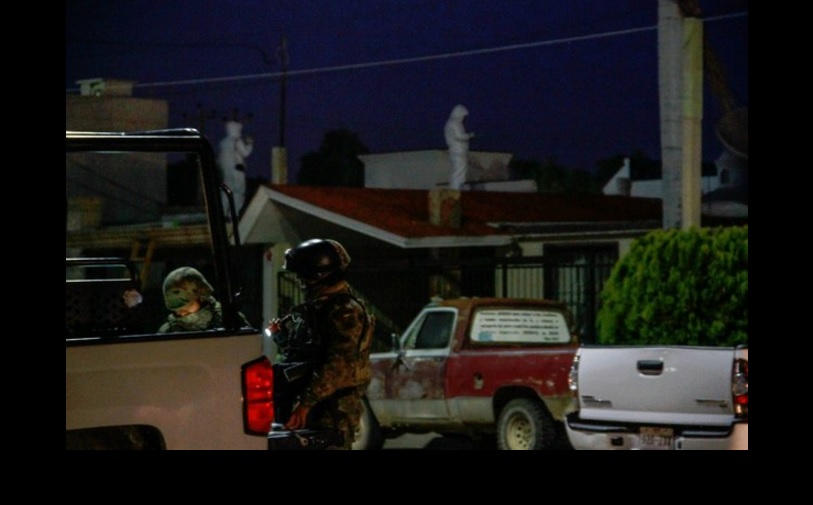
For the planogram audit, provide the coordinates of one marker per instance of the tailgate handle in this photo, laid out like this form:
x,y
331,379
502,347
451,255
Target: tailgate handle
x,y
650,366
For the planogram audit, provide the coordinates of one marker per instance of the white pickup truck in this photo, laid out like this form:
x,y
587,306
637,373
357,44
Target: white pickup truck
x,y
658,397
127,385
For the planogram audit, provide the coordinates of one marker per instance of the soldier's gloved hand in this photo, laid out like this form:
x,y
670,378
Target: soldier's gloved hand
x,y
274,326
298,417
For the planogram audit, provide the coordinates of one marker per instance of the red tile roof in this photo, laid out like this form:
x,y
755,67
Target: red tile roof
x,y
405,212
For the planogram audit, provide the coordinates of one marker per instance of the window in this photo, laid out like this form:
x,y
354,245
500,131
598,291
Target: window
x,y
433,332
120,214
520,326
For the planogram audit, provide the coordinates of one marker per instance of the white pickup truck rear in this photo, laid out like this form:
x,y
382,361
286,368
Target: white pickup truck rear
x,y
657,397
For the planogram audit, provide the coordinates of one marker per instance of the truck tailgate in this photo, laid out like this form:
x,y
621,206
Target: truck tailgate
x,y
187,388
658,385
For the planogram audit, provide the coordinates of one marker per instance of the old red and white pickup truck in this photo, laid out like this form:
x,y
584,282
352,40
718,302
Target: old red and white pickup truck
x,y
479,367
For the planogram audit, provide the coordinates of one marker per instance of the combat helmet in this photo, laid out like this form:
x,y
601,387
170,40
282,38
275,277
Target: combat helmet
x,y
317,261
185,285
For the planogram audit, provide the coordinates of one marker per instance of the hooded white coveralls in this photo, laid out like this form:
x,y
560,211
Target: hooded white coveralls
x,y
232,160
458,142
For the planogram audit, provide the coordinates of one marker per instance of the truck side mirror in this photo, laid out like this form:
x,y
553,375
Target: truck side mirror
x,y
396,342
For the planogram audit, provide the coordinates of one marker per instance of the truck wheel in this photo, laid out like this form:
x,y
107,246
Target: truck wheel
x,y
368,433
525,425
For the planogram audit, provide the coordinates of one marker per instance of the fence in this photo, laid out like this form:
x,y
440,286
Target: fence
x,y
395,296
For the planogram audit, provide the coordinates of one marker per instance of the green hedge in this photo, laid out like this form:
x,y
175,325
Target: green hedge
x,y
677,287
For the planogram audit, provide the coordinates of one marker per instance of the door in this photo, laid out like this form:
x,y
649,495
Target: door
x,y
416,379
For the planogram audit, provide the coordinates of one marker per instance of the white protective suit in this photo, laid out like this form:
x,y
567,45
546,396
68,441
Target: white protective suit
x,y
234,150
458,142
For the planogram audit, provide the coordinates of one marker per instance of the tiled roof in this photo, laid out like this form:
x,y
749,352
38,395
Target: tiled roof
x,y
405,212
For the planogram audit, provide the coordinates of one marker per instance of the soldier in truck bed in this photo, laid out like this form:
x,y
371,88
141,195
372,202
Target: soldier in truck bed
x,y
332,395
189,298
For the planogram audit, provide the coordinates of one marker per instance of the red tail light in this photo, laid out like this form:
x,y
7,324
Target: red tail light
x,y
739,388
258,400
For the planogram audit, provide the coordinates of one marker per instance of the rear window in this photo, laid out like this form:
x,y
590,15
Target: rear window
x,y
133,218
519,326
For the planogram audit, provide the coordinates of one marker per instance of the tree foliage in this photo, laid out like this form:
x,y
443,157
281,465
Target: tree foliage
x,y
336,163
678,287
551,177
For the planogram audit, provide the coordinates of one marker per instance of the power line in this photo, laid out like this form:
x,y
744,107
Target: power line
x,y
417,59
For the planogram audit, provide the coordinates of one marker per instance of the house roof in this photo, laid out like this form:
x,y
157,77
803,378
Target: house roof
x,y
401,216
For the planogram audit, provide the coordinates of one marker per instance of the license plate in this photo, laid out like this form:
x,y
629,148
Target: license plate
x,y
657,438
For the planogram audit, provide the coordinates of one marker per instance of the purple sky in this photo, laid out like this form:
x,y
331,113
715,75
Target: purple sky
x,y
572,79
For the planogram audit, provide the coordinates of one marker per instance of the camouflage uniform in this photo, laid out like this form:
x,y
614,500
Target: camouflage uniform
x,y
336,387
209,316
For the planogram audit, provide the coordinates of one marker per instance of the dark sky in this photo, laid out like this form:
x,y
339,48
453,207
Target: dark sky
x,y
576,80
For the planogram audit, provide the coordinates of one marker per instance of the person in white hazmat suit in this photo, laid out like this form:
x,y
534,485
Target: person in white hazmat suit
x,y
457,139
234,149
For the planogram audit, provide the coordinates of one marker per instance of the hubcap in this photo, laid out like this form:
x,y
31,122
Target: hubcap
x,y
519,435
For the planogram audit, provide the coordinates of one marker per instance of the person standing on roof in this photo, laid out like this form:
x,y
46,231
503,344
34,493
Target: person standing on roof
x,y
234,149
457,140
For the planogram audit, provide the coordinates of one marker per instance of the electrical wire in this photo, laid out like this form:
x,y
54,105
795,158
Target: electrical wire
x,y
417,59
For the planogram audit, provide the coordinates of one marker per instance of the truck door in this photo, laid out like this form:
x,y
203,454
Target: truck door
x,y
417,378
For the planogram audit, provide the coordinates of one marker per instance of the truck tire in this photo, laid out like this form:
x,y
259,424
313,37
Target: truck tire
x,y
525,425
368,433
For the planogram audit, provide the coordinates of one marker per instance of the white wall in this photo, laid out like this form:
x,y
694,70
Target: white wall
x,y
429,169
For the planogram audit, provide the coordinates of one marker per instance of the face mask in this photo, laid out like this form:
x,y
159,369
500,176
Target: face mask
x,y
193,322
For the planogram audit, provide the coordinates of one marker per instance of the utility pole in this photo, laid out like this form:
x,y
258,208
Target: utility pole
x,y
279,155
680,76
201,118
282,55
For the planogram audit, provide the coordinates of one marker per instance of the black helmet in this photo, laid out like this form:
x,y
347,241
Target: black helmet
x,y
317,260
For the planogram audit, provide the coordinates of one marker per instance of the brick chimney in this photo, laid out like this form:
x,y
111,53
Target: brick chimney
x,y
279,165
444,207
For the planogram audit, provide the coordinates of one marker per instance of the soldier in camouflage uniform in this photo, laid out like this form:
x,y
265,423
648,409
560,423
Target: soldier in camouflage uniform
x,y
188,295
332,395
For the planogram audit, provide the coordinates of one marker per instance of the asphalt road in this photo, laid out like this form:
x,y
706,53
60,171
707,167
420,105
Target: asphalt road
x,y
429,441
433,441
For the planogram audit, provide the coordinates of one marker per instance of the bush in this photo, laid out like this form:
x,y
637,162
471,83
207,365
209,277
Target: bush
x,y
677,287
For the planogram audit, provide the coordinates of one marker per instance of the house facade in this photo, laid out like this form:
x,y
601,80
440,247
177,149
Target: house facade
x,y
504,244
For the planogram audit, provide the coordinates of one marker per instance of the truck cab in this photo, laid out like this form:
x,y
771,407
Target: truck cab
x,y
139,206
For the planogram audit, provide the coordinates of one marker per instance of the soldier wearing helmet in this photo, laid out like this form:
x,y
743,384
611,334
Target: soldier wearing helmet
x,y
331,396
189,298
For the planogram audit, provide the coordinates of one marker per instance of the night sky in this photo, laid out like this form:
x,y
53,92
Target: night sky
x,y
575,80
